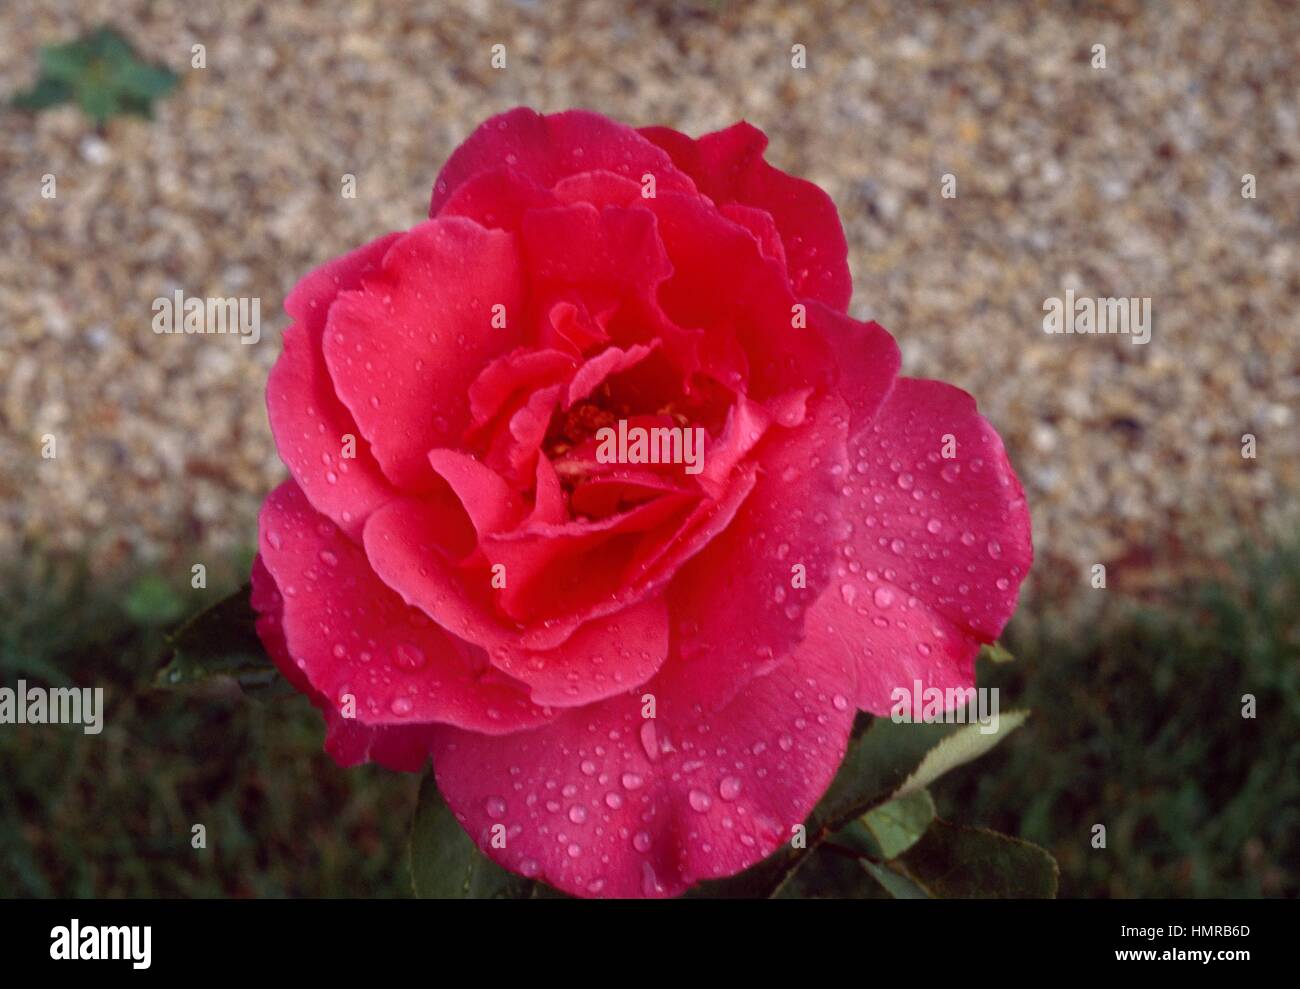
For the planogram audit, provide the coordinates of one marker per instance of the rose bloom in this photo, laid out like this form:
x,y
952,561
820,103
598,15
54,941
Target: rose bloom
x,y
629,676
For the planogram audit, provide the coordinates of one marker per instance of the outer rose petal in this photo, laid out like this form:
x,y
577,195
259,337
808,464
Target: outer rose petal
x,y
546,149
308,421
728,167
352,634
602,802
941,544
404,748
868,360
403,349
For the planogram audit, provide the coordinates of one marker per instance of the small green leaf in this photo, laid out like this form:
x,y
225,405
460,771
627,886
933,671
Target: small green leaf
x,y
897,885
899,824
221,642
47,91
994,653
955,862
445,864
966,743
102,73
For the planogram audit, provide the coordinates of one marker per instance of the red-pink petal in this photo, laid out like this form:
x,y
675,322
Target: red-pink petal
x,y
549,148
491,504
404,748
736,609
497,198
310,425
350,634
604,802
402,348
951,534
867,356
728,167
607,656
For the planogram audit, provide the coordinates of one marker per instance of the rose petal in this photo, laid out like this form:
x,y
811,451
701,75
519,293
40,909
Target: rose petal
x,y
605,657
728,167
490,503
604,802
404,748
736,609
352,635
548,148
868,360
497,198
310,425
942,544
707,250
402,347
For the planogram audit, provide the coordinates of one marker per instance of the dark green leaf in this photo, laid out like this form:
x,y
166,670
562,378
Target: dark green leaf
x,y
221,642
47,91
955,862
829,873
445,864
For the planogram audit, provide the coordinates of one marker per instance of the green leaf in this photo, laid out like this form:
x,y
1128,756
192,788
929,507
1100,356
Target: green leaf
x,y
221,642
828,873
966,743
47,91
955,862
102,73
894,883
445,864
994,653
899,824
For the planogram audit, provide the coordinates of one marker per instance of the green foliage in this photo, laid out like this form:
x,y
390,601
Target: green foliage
x,y
110,815
101,73
898,825
221,643
1140,728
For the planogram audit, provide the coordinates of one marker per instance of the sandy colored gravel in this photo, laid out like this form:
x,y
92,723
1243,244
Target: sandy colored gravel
x,y
1117,182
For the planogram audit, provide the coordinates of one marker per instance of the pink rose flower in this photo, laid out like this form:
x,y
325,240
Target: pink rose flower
x,y
645,673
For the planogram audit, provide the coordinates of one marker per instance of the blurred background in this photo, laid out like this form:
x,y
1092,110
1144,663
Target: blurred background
x,y
1118,181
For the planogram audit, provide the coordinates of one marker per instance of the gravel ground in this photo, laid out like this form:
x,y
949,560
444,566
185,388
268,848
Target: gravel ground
x,y
1122,181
